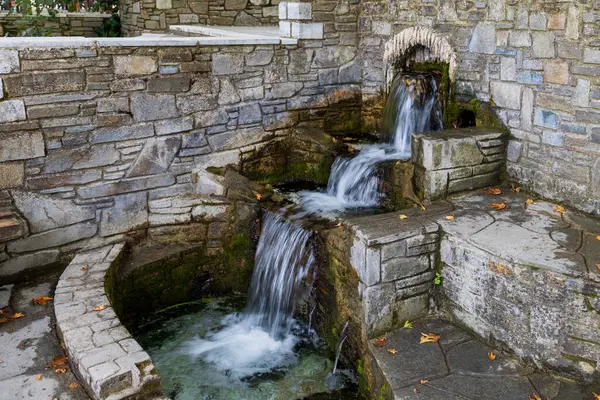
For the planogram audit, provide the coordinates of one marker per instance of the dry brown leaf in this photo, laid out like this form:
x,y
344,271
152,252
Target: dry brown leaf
x,y
429,338
598,237
529,201
17,315
61,370
3,320
84,269
381,341
450,217
535,397
515,189
69,277
58,361
99,308
491,355
39,377
41,300
559,209
402,216
334,140
596,396
392,351
424,381
598,266
416,390
497,206
73,385
495,191
258,196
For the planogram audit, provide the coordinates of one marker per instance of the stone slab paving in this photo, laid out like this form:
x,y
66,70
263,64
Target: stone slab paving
x,y
28,344
458,367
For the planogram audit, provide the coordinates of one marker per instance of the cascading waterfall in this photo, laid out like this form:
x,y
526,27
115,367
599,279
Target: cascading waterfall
x,y
413,107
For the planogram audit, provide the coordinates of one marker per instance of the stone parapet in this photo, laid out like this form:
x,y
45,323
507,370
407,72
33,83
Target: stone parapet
x,y
63,24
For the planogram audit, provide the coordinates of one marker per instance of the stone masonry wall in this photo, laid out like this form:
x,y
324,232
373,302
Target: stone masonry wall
x,y
64,24
90,137
537,61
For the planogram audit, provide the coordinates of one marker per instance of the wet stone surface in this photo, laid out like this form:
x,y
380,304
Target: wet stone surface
x,y
29,344
458,367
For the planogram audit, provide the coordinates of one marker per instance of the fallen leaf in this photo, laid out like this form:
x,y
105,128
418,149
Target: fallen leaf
x,y
61,370
450,217
498,206
535,397
424,381
422,207
416,390
381,341
402,216
559,209
3,320
515,189
495,191
334,140
392,351
83,269
596,396
258,196
408,325
429,338
58,361
598,237
41,300
17,315
99,308
598,266
73,385
339,225
491,356
39,377
69,277
529,201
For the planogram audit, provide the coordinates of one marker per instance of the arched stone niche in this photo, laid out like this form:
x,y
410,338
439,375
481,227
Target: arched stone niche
x,y
417,44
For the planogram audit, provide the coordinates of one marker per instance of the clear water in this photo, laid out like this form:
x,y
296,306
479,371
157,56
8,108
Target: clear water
x,y
354,182
302,371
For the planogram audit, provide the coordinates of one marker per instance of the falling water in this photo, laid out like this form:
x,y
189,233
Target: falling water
x,y
413,106
339,350
333,381
262,337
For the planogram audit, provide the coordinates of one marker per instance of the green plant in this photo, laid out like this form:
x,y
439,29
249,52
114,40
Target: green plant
x,y
35,15
438,279
111,27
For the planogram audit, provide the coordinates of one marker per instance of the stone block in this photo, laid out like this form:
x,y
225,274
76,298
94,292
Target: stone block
x,y
403,267
21,145
134,65
285,29
581,94
12,111
227,64
366,262
228,93
22,264
249,114
527,110
572,30
483,39
235,4
54,238
11,175
129,213
546,119
125,186
9,62
105,135
174,84
378,303
591,55
164,4
188,19
506,94
211,118
210,212
310,30
299,11
543,45
556,72
519,39
37,83
81,158
177,125
156,156
538,21
151,107
508,69
259,57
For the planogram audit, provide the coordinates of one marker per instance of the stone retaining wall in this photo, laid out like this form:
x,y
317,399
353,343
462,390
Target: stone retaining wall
x,y
538,62
90,136
63,24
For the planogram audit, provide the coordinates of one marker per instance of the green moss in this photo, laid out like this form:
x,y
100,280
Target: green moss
x,y
575,358
216,170
364,389
383,392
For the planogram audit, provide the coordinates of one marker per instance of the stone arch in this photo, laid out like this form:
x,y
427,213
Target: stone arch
x,y
419,43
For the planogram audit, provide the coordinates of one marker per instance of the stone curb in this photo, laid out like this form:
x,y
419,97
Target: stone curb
x,y
108,361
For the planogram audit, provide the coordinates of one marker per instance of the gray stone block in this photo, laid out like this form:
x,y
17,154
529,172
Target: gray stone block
x,y
151,107
156,156
134,65
227,64
12,111
9,61
21,145
21,264
104,135
483,39
53,238
249,114
125,185
129,213
506,94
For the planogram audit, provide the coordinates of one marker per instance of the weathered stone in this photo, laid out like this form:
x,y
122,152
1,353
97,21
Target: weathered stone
x,y
46,111
508,69
11,175
53,238
235,4
520,39
527,110
329,57
134,65
259,57
125,185
129,213
44,82
156,156
22,264
300,60
80,158
164,4
543,45
9,61
12,110
150,107
210,118
283,90
228,93
249,114
21,145
175,84
105,135
174,125
208,184
227,64
572,30
556,72
310,30
44,212
350,73
245,19
506,94
63,179
483,39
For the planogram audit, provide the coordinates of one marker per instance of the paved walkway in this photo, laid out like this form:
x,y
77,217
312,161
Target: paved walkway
x,y
29,344
458,367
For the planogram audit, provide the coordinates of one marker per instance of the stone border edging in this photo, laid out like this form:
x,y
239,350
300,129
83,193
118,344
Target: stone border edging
x,y
108,360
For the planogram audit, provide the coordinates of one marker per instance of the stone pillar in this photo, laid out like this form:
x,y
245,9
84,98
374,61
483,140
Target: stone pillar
x,y
295,21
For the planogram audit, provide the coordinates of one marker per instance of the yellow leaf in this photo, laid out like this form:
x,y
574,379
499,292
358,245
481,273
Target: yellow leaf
x,y
424,381
61,370
41,300
73,385
334,140
398,163
495,191
339,225
17,315
258,196
381,341
429,338
83,269
491,356
57,361
416,390
39,377
498,206
392,351
408,325
514,188
596,396
598,237
3,320
529,201
99,308
402,216
559,209
450,217
535,397
598,266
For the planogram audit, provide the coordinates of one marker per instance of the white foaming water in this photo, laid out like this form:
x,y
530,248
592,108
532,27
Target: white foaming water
x,y
261,338
354,182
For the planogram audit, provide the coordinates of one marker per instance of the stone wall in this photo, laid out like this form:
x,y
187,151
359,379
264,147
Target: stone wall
x,y
91,137
536,61
64,24
156,16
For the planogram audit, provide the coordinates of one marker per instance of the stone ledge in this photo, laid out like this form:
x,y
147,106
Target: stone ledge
x,y
108,361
